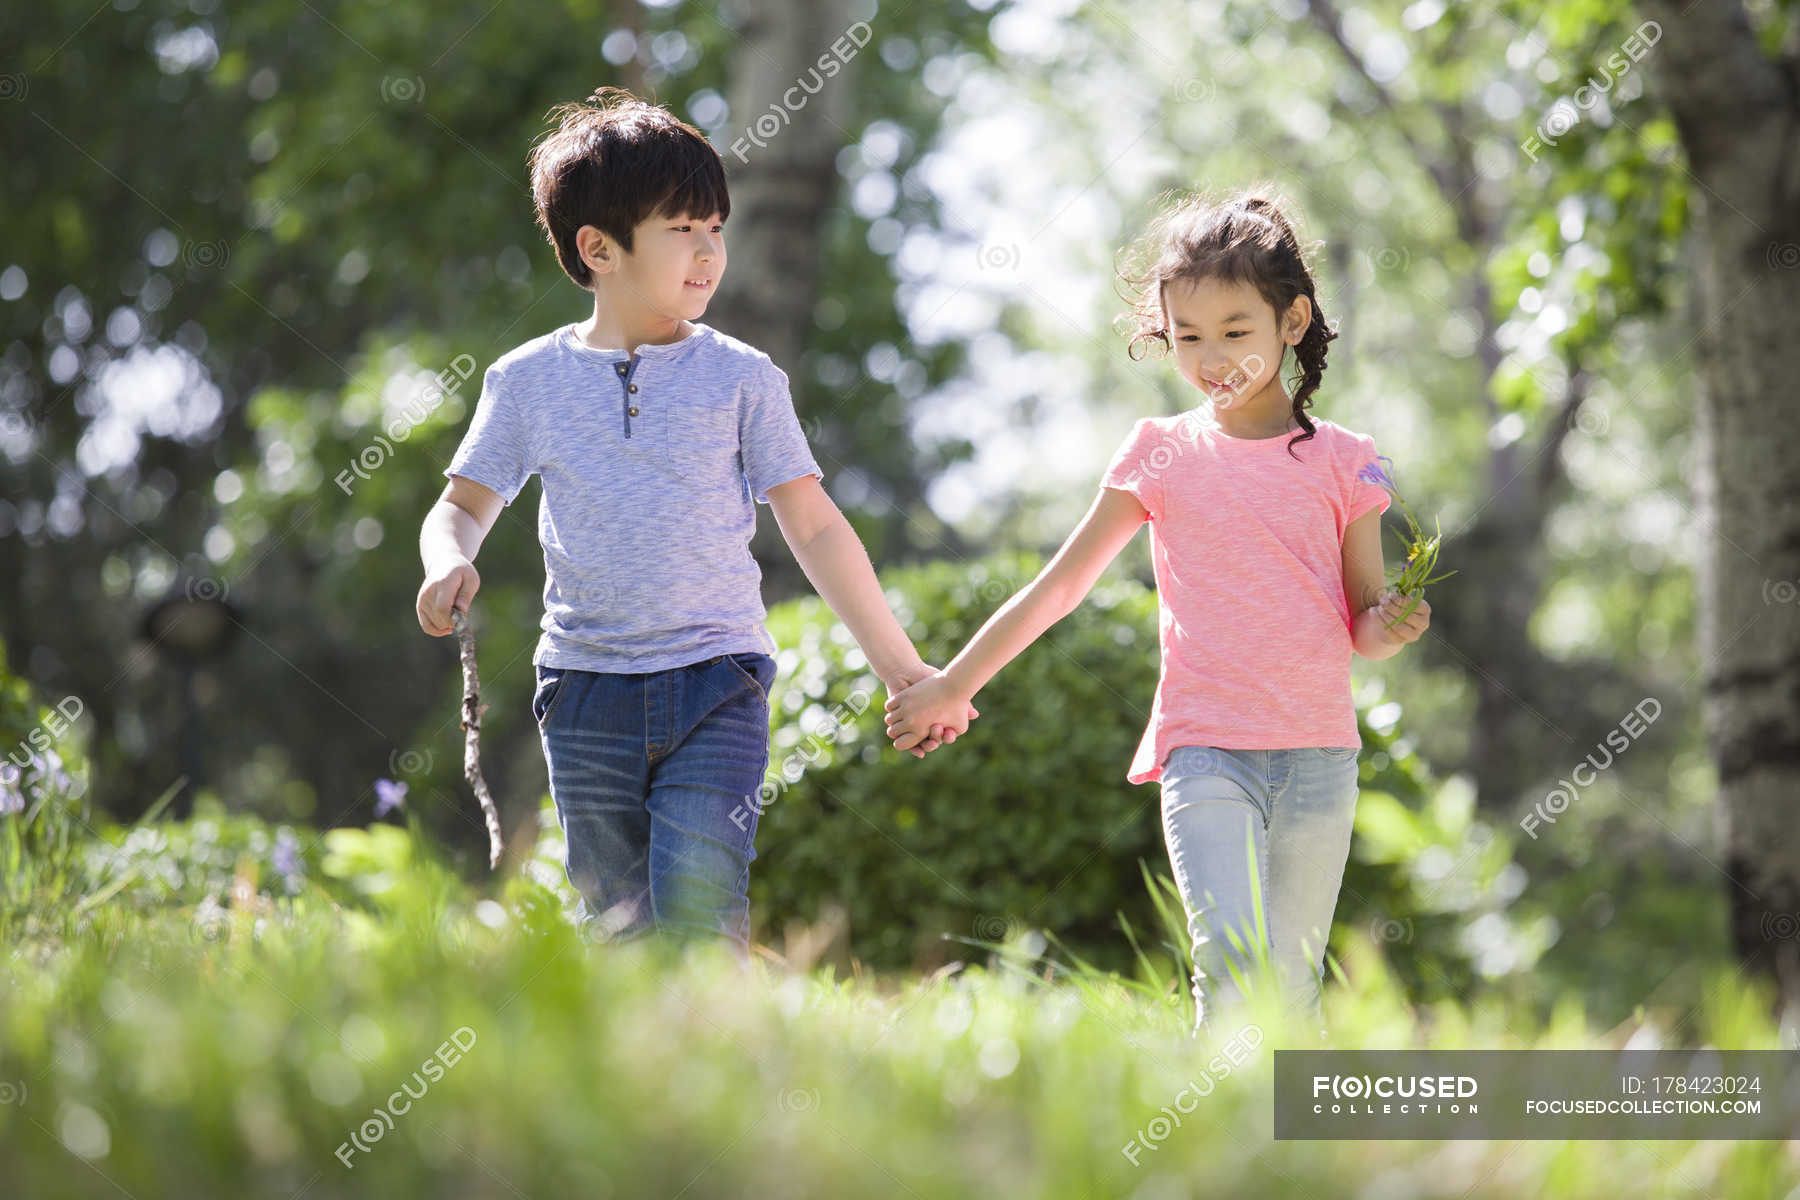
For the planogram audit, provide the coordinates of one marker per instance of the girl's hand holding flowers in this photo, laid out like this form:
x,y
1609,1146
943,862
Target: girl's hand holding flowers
x,y
1398,624
1403,604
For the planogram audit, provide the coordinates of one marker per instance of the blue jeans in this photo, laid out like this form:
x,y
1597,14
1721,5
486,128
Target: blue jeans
x,y
1291,810
656,779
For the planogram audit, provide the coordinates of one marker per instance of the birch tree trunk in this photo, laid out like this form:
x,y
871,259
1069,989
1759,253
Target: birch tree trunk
x,y
1738,112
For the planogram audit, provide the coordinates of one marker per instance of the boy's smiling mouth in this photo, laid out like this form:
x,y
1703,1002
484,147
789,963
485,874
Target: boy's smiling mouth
x,y
702,284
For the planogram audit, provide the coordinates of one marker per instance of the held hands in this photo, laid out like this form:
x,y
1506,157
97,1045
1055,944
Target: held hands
x,y
1390,606
932,710
943,733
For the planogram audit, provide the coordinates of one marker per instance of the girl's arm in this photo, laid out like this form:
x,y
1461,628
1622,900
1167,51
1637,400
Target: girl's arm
x,y
1064,582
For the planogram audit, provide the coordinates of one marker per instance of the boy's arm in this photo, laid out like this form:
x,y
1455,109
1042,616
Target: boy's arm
x,y
451,536
838,566
1111,521
833,557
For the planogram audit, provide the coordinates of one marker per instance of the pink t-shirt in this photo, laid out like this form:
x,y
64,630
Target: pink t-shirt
x,y
1247,545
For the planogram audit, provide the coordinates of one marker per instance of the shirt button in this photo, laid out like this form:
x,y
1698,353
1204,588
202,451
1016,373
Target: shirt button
x,y
621,368
631,387
632,410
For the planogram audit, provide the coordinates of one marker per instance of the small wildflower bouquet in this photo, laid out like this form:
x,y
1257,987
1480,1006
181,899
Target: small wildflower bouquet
x,y
1410,577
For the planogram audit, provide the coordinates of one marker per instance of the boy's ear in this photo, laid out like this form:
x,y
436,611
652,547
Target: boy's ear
x,y
598,250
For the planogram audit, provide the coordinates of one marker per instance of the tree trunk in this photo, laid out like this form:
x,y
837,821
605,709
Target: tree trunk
x,y
783,174
1738,114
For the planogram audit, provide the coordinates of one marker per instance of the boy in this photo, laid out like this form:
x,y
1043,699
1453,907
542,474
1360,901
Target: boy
x,y
653,434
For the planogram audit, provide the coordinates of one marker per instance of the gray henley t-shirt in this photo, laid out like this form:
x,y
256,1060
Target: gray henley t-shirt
x,y
649,467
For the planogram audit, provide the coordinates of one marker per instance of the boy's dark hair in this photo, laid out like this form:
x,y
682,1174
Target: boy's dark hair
x,y
1245,238
614,161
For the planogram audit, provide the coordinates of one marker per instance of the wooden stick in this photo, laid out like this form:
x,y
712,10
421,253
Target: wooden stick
x,y
472,708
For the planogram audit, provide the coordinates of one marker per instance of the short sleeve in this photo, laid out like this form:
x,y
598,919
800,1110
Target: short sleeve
x,y
1364,493
769,435
1134,468
496,450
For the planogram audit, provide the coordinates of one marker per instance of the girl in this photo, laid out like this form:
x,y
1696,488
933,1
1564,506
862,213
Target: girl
x,y
1267,554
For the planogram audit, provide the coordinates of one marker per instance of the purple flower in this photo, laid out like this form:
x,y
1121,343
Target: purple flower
x,y
12,782
12,791
57,774
286,858
388,796
1377,474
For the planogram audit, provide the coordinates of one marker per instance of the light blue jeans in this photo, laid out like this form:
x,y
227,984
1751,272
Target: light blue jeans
x,y
1291,811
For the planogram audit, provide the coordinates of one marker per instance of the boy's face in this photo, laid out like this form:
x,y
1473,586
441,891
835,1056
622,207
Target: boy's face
x,y
674,264
1226,340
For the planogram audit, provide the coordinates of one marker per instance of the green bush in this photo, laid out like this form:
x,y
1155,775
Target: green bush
x,y
1027,821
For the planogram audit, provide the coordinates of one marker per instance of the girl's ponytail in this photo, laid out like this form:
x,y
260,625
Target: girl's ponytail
x,y
1309,352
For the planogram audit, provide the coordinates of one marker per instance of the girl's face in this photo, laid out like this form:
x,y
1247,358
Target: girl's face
x,y
1227,342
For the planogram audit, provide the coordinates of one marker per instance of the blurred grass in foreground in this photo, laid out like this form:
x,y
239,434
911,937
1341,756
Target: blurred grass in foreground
x,y
369,1026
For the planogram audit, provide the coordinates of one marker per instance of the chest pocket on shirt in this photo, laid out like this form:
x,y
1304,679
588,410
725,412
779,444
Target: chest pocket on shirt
x,y
701,437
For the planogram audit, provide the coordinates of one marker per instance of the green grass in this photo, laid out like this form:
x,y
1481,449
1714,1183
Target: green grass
x,y
156,1046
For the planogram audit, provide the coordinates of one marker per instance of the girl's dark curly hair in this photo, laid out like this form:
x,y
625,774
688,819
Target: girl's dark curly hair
x,y
1244,238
